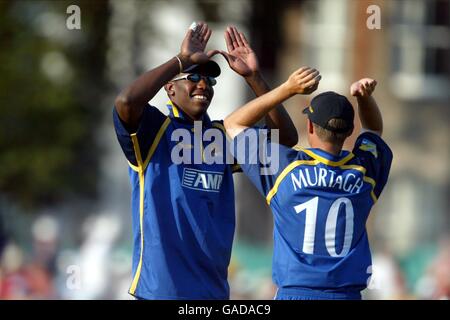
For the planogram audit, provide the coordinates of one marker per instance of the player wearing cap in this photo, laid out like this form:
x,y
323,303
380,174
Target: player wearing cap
x,y
183,214
321,196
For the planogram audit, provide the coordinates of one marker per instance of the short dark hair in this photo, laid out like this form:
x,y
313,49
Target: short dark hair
x,y
330,136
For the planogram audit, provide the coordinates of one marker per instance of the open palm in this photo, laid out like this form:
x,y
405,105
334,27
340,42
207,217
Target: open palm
x,y
240,55
194,43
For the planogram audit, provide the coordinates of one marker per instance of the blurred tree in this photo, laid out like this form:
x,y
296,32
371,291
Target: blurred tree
x,y
50,88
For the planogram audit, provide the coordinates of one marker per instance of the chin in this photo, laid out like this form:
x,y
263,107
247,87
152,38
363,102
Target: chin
x,y
201,108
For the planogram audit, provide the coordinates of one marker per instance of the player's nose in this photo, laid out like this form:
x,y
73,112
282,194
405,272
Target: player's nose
x,y
202,83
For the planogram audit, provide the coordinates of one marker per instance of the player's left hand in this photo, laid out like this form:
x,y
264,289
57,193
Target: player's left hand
x,y
192,49
240,56
303,81
363,88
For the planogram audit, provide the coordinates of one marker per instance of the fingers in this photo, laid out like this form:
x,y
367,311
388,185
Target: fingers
x,y
369,86
207,35
203,31
244,40
195,28
305,80
313,82
373,84
233,37
189,34
212,53
228,41
365,86
305,72
362,90
199,31
237,36
312,88
309,75
299,71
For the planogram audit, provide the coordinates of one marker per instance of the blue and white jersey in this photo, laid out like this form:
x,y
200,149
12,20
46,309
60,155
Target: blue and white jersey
x,y
320,203
183,215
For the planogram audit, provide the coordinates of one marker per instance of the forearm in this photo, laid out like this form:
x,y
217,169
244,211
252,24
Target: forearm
x,y
370,114
255,110
131,101
278,117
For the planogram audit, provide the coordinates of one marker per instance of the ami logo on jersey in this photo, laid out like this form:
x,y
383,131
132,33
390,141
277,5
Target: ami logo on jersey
x,y
209,181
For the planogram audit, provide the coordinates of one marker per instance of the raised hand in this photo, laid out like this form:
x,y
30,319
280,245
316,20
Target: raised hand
x,y
240,56
303,81
363,88
193,46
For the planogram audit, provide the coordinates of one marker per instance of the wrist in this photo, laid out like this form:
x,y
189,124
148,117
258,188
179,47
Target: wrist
x,y
363,98
286,90
184,62
253,77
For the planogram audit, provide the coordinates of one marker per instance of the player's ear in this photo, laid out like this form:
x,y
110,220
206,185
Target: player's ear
x,y
169,87
310,127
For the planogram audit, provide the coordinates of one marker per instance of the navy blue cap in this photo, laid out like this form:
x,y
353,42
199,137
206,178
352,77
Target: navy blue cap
x,y
210,68
329,105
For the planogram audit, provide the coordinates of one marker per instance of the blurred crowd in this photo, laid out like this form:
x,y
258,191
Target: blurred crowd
x,y
48,271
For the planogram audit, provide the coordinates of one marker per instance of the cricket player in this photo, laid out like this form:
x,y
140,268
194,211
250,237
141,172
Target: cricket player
x,y
320,196
183,213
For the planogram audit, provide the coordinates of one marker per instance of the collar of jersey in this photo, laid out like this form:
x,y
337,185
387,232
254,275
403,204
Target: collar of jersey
x,y
327,158
179,115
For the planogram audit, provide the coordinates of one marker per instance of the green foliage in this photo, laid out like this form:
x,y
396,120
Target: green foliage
x,y
48,118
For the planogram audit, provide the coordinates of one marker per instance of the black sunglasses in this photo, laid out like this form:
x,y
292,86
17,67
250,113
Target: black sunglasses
x,y
195,77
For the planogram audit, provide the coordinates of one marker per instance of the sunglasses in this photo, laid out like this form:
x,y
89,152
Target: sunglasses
x,y
195,77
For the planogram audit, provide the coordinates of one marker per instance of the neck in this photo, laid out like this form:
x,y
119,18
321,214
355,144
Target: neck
x,y
192,117
328,147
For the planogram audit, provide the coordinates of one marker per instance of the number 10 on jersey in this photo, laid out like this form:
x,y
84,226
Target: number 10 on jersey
x,y
310,207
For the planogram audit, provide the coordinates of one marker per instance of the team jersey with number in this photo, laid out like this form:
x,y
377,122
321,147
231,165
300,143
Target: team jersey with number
x,y
320,205
183,215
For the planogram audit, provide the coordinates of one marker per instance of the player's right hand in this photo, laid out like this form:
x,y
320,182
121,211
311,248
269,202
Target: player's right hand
x,y
194,43
303,81
363,88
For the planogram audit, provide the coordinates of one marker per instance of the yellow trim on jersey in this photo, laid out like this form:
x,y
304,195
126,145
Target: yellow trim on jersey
x,y
219,126
235,168
140,169
326,161
297,163
365,178
132,166
156,142
175,111
283,174
137,152
372,182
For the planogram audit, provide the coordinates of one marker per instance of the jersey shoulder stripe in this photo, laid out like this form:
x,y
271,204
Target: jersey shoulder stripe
x,y
284,173
142,165
316,159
